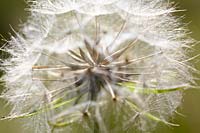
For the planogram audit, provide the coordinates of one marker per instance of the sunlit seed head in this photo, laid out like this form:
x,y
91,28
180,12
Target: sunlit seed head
x,y
97,65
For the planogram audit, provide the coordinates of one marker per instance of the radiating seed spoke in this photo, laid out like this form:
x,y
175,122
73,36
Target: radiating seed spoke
x,y
125,63
117,54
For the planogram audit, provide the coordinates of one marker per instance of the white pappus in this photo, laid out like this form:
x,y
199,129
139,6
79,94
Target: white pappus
x,y
97,66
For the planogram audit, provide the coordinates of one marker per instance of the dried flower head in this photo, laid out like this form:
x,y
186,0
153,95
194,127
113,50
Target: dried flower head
x,y
97,65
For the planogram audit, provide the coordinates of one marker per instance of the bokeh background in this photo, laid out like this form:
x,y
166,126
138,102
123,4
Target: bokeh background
x,y
12,13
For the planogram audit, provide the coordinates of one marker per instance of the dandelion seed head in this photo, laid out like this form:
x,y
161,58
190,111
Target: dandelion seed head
x,y
106,65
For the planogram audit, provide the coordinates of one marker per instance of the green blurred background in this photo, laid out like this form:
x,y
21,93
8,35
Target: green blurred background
x,y
12,13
